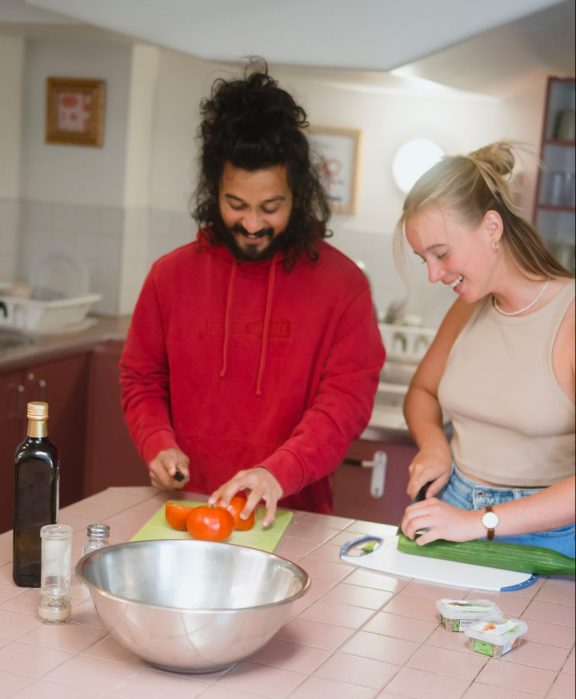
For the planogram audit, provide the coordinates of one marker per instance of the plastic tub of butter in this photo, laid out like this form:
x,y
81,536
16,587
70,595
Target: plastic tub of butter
x,y
495,638
458,614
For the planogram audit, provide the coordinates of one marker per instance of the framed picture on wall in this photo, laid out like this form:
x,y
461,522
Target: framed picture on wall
x,y
335,153
75,111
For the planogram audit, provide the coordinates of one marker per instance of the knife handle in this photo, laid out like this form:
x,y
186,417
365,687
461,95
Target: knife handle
x,y
421,494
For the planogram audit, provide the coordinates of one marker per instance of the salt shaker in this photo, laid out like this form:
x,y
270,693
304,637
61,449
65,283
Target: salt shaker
x,y
97,536
55,573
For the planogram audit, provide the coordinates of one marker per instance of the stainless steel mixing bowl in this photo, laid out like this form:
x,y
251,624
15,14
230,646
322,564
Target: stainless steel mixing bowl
x,y
191,606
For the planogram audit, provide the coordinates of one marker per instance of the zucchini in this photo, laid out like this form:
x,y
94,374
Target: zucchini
x,y
526,559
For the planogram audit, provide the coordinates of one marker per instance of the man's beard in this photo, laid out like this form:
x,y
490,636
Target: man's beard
x,y
251,253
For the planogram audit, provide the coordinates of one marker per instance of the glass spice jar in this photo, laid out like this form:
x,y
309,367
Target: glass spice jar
x,y
98,535
55,572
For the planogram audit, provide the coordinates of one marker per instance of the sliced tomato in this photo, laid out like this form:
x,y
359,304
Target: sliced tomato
x,y
235,507
210,523
176,515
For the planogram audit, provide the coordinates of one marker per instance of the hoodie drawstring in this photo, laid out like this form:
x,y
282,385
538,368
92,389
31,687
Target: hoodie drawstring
x,y
266,328
227,321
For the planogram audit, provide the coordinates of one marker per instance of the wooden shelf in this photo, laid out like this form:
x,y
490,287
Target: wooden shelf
x,y
556,142
554,207
555,222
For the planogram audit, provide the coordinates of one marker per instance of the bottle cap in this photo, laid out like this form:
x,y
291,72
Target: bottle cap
x,y
37,410
98,531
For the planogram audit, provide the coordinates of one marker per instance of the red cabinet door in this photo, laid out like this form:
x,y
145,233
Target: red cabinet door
x,y
111,458
63,384
12,432
352,496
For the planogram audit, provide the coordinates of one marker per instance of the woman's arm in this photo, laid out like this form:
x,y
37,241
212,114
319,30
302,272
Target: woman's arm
x,y
422,410
550,508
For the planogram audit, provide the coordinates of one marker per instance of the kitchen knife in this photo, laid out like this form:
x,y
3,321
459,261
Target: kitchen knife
x,y
420,495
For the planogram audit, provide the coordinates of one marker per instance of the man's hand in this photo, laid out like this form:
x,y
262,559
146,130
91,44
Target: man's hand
x,y
164,469
262,486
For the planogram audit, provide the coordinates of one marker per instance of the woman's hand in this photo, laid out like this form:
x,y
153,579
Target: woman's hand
x,y
433,519
164,467
262,486
432,464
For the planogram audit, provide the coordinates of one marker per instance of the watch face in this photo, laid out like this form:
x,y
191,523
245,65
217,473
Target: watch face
x,y
490,520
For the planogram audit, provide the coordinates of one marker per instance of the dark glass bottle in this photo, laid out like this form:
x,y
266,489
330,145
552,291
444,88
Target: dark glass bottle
x,y
35,495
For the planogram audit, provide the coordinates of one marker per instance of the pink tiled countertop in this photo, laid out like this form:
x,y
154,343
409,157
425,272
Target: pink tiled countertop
x,y
357,634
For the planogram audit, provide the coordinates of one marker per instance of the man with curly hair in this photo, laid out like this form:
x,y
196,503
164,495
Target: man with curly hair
x,y
253,355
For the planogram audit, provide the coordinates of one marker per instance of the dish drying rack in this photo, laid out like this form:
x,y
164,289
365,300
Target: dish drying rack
x,y
37,317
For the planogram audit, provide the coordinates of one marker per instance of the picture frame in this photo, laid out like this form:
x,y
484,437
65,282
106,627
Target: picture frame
x,y
75,111
336,156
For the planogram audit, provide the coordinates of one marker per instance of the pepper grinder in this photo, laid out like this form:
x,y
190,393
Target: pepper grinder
x,y
55,572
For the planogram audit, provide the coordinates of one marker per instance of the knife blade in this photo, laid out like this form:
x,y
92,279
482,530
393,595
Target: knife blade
x,y
420,495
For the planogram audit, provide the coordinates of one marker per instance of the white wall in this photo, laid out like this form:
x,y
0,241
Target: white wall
x,y
11,81
11,85
76,174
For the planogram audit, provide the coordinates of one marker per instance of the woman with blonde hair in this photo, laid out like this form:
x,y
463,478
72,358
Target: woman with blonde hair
x,y
501,366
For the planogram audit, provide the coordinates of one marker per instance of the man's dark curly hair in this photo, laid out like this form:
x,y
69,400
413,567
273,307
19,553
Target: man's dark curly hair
x,y
253,124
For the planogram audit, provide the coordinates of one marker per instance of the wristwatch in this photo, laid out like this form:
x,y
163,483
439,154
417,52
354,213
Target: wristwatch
x,y
490,520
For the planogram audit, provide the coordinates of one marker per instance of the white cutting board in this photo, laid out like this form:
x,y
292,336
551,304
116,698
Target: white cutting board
x,y
387,559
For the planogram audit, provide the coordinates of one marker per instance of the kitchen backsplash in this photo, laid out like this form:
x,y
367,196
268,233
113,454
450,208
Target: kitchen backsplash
x,y
119,245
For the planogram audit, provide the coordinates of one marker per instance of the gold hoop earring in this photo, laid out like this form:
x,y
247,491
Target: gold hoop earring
x,y
495,245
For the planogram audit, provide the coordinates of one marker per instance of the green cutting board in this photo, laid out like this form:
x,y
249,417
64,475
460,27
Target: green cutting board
x,y
257,537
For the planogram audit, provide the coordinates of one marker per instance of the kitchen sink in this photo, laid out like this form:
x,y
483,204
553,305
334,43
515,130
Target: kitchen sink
x,y
13,338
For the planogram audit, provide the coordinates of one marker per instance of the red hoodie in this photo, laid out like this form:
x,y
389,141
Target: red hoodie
x,y
240,364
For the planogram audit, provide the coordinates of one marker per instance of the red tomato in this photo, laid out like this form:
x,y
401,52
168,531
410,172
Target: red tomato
x,y
235,508
210,523
176,515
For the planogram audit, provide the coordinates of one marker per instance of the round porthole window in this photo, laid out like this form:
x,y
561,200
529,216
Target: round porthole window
x,y
412,159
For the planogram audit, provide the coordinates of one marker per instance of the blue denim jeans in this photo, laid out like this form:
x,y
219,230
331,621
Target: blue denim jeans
x,y
469,495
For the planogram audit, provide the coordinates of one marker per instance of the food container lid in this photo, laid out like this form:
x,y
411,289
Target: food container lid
x,y
499,633
480,609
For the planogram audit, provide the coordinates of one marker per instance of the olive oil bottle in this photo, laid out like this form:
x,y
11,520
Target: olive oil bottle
x,y
35,495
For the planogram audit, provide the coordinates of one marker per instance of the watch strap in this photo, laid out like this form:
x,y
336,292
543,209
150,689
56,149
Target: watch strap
x,y
489,531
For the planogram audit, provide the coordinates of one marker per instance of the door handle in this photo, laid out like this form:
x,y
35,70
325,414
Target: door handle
x,y
378,478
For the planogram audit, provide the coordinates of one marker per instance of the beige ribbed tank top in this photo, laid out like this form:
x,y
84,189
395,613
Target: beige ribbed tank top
x,y
513,424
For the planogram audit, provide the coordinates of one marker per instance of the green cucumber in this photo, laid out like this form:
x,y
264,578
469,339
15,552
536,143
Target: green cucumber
x,y
526,559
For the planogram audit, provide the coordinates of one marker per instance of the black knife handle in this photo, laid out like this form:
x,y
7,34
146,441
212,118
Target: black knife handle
x,y
421,494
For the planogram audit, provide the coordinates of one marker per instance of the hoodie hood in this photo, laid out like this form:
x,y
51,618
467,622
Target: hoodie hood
x,y
205,243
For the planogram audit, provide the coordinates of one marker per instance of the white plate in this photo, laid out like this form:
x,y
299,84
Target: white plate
x,y
61,270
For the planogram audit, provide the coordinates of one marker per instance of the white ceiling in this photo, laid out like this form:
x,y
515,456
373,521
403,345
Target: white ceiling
x,y
489,46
